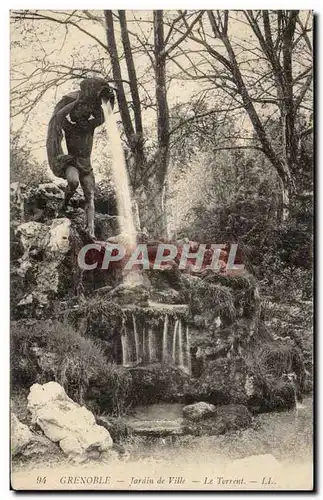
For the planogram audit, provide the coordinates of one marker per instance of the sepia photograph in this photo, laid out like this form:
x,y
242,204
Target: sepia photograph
x,y
161,250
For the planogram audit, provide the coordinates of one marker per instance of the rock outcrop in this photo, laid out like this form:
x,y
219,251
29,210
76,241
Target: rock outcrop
x,y
43,202
21,436
39,268
231,357
198,411
65,422
26,444
45,243
158,382
221,419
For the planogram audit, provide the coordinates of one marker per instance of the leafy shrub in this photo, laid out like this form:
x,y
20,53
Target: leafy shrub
x,y
272,361
24,168
206,296
286,283
103,318
50,350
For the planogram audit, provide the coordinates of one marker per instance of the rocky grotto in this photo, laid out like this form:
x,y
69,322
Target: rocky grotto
x,y
195,339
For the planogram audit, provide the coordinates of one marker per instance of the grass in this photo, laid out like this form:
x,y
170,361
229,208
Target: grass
x,y
42,351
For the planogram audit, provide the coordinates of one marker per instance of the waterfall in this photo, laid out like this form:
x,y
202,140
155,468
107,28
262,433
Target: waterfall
x,y
174,341
143,344
120,176
298,405
125,344
144,355
188,352
165,338
180,345
136,337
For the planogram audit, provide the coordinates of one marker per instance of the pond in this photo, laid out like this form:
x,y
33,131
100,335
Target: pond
x,y
285,435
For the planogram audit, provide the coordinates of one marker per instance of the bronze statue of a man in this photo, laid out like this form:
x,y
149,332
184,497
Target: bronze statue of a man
x,y
78,114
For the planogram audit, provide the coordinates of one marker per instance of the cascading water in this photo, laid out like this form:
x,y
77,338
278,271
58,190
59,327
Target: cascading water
x,y
136,337
188,351
174,341
120,176
180,346
125,345
165,339
149,342
151,346
145,342
144,347
121,181
140,342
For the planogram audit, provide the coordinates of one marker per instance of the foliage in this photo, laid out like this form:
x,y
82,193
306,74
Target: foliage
x,y
49,350
277,253
24,168
272,360
18,405
286,283
102,317
227,297
206,296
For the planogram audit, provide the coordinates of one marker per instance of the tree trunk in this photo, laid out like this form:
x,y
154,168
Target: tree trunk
x,y
116,71
162,159
283,161
151,200
148,181
284,202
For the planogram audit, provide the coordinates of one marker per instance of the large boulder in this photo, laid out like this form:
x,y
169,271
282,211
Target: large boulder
x,y
222,419
43,201
67,423
21,435
26,444
157,383
198,411
222,381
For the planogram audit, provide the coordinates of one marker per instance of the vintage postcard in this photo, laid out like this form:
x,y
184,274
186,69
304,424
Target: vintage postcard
x,y
161,218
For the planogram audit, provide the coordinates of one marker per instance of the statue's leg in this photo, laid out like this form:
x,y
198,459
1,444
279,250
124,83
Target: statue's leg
x,y
72,177
88,185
